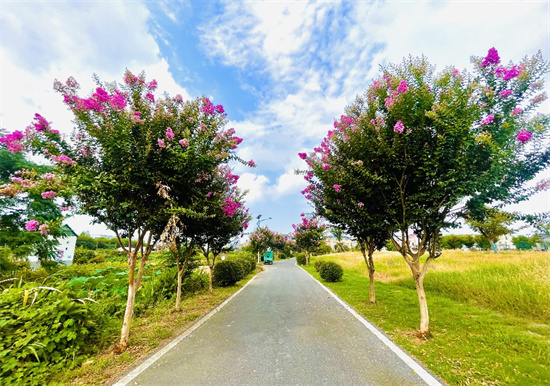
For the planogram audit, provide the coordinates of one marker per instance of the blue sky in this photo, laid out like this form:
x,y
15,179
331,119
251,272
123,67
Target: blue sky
x,y
283,70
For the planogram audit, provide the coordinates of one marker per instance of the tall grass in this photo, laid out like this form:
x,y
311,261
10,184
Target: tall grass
x,y
514,282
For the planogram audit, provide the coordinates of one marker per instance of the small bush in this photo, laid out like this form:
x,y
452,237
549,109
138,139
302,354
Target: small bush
x,y
227,273
301,258
282,256
319,264
331,271
83,256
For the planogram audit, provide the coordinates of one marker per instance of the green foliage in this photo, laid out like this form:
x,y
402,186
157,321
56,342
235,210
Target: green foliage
x,y
331,271
456,241
319,264
300,258
42,331
227,273
83,256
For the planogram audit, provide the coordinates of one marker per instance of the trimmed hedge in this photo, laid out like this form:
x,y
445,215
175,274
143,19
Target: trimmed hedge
x,y
319,264
331,271
301,258
227,273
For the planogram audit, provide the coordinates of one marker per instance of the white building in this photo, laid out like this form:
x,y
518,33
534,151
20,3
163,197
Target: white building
x,y
505,243
65,249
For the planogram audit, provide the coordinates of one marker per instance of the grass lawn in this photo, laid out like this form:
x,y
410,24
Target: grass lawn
x,y
489,313
150,331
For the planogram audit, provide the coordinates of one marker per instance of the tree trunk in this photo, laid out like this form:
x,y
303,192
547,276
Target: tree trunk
x,y
307,259
211,277
125,331
178,293
424,315
372,298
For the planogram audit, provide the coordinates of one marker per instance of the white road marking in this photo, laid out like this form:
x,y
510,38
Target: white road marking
x,y
422,373
153,358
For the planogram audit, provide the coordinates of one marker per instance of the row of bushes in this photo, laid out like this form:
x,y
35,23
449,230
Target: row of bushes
x,y
234,268
328,270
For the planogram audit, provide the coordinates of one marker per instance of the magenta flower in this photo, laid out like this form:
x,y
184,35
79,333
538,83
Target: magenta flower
x,y
491,58
360,205
207,107
152,85
402,88
512,73
517,111
488,119
150,97
505,93
161,143
326,167
41,123
31,225
44,229
219,109
101,95
169,133
399,127
337,188
302,214
50,194
251,163
302,155
524,136
178,98
62,159
184,142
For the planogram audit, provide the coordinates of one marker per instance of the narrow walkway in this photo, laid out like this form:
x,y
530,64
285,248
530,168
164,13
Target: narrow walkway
x,y
283,329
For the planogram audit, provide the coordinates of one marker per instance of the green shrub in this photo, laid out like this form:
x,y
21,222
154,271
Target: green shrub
x,y
227,273
83,256
43,331
331,271
282,256
301,258
319,264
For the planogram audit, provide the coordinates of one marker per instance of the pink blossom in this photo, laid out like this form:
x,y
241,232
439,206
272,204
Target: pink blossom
x,y
136,117
308,197
302,214
207,107
360,205
505,93
302,155
12,141
402,88
17,179
50,194
517,111
130,79
399,127
62,159
337,188
48,176
512,73
31,225
161,143
251,163
184,142
169,133
178,98
219,109
118,101
152,85
41,123
488,119
491,58
101,95
524,136
326,167
543,185
150,97
44,229
539,98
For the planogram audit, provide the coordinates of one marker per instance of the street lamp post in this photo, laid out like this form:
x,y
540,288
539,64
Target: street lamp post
x,y
258,226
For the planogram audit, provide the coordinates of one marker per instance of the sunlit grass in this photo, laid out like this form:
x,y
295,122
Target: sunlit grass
x,y
488,312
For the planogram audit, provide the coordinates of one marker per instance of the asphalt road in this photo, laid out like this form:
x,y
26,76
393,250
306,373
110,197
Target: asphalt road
x,y
282,329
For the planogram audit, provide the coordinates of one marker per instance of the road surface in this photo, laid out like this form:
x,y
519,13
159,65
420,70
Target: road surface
x,y
282,329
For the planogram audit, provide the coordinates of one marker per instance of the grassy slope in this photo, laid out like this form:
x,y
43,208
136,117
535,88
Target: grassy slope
x,y
489,313
153,330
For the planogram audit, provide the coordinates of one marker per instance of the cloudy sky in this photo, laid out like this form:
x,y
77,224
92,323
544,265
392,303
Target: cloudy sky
x,y
283,70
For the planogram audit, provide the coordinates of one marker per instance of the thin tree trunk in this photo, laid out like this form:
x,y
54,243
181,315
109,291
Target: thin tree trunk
x,y
178,292
307,259
211,275
372,298
424,315
125,331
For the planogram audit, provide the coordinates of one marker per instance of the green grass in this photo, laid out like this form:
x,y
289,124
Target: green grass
x,y
480,332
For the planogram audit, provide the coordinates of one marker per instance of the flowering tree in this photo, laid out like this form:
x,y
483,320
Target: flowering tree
x,y
33,203
126,143
308,235
436,147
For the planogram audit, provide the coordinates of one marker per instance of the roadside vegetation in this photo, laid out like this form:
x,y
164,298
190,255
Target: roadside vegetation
x,y
491,322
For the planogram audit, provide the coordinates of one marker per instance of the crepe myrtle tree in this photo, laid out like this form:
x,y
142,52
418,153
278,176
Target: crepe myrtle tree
x,y
443,146
226,217
125,143
308,235
342,194
261,239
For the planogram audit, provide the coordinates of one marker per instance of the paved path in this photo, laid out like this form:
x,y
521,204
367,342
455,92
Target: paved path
x,y
282,329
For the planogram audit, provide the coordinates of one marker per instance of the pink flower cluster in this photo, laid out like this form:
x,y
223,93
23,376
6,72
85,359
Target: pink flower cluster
x,y
302,155
184,142
169,133
516,111
392,99
62,159
542,185
31,225
337,188
488,120
507,74
399,127
230,207
344,123
505,93
251,163
50,194
208,108
12,141
524,136
491,58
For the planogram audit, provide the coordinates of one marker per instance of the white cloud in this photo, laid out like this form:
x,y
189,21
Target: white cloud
x,y
256,185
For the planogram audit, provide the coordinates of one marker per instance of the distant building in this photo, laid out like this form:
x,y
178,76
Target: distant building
x,y
65,249
505,243
346,241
